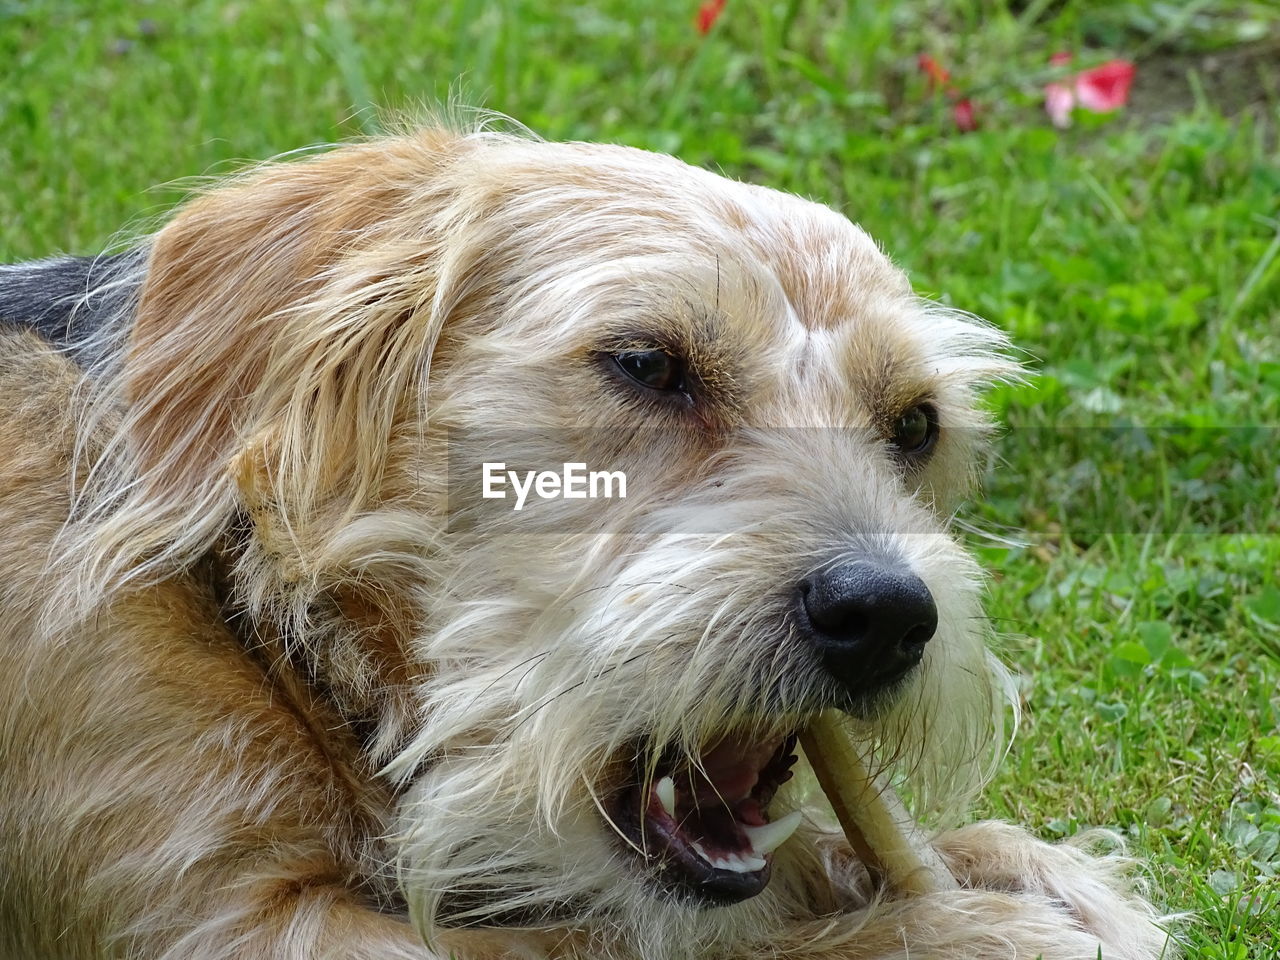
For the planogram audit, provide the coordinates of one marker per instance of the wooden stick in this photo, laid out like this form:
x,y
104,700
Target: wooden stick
x,y
877,825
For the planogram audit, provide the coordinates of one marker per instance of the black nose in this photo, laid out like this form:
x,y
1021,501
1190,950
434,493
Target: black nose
x,y
868,621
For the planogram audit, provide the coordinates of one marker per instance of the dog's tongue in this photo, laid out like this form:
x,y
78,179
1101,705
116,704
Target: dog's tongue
x,y
732,769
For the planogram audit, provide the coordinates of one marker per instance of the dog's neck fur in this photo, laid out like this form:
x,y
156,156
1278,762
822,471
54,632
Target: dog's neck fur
x,y
72,302
311,661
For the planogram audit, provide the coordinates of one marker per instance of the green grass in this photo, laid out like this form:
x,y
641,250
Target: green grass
x,y
1135,259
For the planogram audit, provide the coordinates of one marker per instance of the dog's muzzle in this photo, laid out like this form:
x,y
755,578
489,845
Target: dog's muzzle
x,y
868,621
701,825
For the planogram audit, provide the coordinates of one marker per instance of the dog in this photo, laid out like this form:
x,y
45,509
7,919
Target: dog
x,y
282,676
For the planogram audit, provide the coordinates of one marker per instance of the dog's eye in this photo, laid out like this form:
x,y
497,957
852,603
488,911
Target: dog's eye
x,y
916,430
655,369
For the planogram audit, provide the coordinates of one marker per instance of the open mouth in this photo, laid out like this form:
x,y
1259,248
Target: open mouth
x,y
703,828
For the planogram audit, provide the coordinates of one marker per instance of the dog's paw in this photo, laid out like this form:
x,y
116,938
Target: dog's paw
x,y
958,925
1085,882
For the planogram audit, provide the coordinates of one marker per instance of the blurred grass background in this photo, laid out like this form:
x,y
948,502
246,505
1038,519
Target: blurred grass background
x,y
1134,257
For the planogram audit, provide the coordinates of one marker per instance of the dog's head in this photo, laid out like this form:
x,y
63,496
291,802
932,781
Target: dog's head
x,y
589,703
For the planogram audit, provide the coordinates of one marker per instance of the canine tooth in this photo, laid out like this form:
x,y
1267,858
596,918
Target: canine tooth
x,y
771,836
666,791
752,864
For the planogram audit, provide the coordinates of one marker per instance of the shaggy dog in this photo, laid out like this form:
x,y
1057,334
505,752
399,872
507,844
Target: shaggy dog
x,y
280,677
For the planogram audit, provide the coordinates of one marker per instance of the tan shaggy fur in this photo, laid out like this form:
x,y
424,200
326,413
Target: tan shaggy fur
x,y
262,697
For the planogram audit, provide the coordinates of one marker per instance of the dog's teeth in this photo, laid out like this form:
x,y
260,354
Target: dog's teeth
x,y
771,836
740,864
730,861
666,791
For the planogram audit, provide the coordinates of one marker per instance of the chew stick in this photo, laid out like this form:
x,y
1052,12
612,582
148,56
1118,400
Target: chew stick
x,y
877,825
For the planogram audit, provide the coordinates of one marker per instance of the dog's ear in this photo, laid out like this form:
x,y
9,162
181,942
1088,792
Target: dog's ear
x,y
292,311
283,288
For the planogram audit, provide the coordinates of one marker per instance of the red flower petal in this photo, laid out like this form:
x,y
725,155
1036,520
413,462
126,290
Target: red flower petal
x,y
1059,101
1105,87
936,72
964,115
708,13
1100,89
